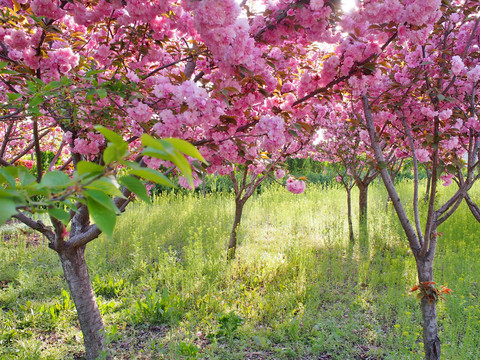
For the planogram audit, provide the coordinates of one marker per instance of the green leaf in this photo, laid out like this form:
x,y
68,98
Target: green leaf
x,y
111,136
35,101
94,72
55,179
135,186
293,133
179,160
104,217
441,97
103,199
6,175
52,85
9,72
3,64
186,148
90,94
131,164
153,175
148,140
106,186
102,93
59,214
158,154
7,209
84,167
25,177
111,154
14,96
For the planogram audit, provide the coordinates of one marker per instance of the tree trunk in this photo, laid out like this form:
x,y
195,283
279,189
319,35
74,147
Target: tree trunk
x,y
427,190
431,340
349,214
78,280
362,217
232,245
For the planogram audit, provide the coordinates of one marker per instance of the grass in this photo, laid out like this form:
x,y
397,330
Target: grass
x,y
296,290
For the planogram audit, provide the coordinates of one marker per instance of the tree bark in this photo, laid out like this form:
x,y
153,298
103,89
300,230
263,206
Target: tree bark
x,y
349,214
431,340
78,280
427,190
362,216
232,245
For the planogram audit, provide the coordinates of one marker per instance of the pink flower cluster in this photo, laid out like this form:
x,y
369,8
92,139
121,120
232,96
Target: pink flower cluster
x,y
89,146
457,65
273,129
182,181
48,8
422,155
295,186
279,173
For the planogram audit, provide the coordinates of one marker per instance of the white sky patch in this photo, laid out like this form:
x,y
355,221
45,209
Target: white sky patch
x,y
319,137
258,6
348,5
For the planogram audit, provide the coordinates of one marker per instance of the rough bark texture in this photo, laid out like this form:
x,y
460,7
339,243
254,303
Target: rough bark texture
x,y
232,245
78,280
431,340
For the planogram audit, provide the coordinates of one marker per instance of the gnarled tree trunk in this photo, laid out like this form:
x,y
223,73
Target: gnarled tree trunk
x,y
78,280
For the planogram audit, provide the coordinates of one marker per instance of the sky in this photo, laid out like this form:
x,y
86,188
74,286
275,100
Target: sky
x,y
346,4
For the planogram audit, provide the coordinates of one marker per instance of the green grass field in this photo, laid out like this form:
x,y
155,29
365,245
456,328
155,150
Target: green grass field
x,y
296,290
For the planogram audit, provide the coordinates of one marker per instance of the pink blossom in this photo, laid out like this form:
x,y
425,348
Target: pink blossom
x,y
182,181
273,127
447,179
279,173
445,114
457,65
17,40
140,113
422,155
316,5
295,186
132,76
473,123
48,8
339,178
63,59
474,74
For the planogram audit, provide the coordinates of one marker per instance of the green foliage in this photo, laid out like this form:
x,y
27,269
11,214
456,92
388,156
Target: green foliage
x,y
229,324
158,308
300,288
188,351
108,288
91,181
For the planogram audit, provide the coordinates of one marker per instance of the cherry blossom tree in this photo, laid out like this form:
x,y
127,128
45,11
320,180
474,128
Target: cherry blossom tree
x,y
424,99
409,71
346,147
96,83
92,82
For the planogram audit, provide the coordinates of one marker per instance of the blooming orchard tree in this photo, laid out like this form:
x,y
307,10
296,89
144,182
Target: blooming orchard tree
x,y
410,71
346,146
422,100
92,82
